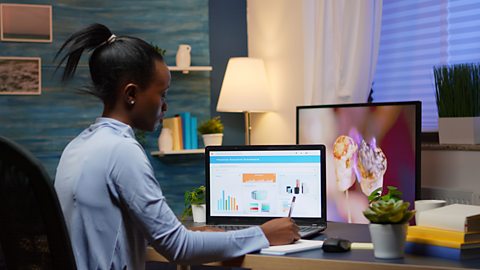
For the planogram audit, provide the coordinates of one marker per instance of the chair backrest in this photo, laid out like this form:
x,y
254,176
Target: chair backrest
x,y
33,234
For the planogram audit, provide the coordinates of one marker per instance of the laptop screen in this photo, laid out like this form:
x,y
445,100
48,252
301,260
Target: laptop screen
x,y
262,181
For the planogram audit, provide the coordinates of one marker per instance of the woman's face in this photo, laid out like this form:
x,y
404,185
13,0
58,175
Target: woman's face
x,y
150,104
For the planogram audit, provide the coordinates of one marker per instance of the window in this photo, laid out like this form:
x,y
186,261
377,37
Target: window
x,y
415,37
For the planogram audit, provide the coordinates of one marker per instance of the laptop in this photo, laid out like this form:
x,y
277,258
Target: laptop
x,y
249,185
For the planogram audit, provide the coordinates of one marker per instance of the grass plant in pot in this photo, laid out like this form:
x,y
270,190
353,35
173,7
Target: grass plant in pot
x,y
195,204
457,93
211,131
389,216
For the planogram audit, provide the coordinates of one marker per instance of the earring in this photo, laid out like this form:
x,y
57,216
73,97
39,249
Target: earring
x,y
132,102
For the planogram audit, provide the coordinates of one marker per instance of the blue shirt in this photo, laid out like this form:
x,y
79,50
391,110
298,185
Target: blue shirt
x,y
113,205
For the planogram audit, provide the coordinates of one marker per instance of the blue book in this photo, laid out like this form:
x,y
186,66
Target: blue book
x,y
442,252
193,122
186,128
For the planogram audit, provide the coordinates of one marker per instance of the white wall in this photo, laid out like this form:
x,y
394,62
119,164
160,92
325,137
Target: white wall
x,y
276,33
452,170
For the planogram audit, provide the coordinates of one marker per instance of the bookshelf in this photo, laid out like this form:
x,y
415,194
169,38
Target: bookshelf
x,y
178,152
186,70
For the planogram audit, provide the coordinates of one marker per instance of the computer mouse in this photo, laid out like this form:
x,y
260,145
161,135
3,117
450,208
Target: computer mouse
x,y
336,245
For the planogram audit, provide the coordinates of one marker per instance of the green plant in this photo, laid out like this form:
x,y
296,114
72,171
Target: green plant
x,y
195,196
389,208
457,90
141,137
159,50
213,125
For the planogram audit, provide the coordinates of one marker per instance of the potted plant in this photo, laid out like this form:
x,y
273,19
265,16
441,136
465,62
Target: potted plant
x,y
195,204
457,93
389,216
159,50
211,131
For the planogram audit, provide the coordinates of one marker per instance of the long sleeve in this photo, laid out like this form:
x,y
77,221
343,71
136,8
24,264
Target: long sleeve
x,y
134,184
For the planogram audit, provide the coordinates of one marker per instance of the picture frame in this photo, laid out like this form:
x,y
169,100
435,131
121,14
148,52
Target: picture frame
x,y
20,75
26,23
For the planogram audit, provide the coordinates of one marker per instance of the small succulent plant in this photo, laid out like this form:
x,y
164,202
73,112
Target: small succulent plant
x,y
213,125
389,208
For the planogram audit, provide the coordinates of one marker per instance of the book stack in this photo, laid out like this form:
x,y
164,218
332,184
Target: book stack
x,y
189,130
451,232
184,131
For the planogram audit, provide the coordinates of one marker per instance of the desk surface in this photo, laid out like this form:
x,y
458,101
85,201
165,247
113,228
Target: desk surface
x,y
355,259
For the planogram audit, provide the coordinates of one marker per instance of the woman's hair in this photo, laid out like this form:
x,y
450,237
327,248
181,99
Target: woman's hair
x,y
113,62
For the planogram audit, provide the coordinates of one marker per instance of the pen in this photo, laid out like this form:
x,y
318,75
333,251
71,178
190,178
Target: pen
x,y
291,207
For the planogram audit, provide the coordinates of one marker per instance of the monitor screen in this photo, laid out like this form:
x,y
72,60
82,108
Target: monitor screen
x,y
251,184
368,146
263,182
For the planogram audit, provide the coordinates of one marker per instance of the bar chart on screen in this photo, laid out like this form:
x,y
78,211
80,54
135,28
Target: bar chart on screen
x,y
227,203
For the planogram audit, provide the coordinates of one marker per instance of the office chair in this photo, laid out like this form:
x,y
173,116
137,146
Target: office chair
x,y
33,234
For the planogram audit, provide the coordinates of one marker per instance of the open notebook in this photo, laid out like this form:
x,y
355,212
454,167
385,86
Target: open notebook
x,y
248,185
300,245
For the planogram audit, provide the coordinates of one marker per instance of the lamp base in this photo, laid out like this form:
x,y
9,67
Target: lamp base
x,y
248,127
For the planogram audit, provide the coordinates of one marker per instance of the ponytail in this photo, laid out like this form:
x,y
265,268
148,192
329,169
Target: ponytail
x,y
114,60
87,39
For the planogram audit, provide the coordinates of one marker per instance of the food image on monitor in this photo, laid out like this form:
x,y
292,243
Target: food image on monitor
x,y
344,150
359,139
372,164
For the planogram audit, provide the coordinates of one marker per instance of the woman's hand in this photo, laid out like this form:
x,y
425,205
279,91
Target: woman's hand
x,y
280,231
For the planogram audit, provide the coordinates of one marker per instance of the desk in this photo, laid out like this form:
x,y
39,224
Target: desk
x,y
355,259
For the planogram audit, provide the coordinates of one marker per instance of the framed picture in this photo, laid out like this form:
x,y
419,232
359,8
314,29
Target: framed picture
x,y
26,23
20,76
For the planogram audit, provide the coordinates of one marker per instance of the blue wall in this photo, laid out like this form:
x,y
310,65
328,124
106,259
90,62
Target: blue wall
x,y
228,38
45,124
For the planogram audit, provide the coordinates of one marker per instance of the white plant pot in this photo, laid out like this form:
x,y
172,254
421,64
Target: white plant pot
x,y
199,213
459,130
388,240
212,139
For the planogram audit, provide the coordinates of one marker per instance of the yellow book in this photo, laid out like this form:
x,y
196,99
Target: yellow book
x,y
443,243
179,130
172,123
449,235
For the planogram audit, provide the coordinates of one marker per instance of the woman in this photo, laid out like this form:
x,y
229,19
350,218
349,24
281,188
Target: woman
x,y
110,198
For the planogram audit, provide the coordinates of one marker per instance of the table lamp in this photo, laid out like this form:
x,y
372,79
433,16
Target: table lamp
x,y
245,89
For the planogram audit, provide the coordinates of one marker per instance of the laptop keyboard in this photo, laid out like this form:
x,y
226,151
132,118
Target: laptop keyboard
x,y
304,231
232,227
307,231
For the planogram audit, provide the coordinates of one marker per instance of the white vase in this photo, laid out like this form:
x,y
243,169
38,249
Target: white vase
x,y
183,58
459,130
212,139
165,140
199,213
388,240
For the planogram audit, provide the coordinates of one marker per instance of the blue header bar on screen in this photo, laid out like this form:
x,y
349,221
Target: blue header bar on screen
x,y
265,159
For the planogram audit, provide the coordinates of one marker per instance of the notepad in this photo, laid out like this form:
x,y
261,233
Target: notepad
x,y
300,245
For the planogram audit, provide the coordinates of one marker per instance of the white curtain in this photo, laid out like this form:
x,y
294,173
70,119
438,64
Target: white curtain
x,y
340,65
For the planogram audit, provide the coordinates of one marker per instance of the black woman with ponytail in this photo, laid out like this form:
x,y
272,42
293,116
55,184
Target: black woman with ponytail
x,y
112,203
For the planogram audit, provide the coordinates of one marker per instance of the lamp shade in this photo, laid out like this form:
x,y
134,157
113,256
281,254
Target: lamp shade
x,y
245,87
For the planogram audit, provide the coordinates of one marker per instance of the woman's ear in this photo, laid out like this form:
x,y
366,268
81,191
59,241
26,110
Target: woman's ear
x,y
130,93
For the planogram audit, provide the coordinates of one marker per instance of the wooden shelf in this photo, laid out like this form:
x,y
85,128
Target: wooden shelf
x,y
186,70
450,147
178,152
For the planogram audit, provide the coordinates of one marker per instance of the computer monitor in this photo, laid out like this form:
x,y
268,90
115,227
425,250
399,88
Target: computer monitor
x,y
368,146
